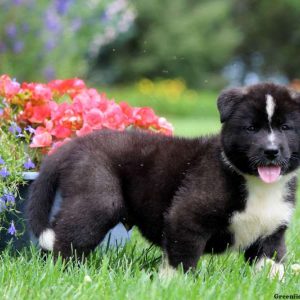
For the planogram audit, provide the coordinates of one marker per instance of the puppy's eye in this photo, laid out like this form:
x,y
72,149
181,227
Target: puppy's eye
x,y
251,128
285,127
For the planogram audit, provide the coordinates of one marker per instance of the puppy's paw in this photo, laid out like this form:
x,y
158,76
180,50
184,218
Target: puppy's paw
x,y
276,269
166,272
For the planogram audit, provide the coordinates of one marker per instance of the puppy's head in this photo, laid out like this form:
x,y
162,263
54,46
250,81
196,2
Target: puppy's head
x,y
261,130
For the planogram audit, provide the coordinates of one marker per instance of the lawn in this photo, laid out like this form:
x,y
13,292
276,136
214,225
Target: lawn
x,y
132,272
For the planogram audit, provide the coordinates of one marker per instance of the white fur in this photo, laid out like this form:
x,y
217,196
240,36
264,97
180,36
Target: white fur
x,y
276,268
272,138
166,271
47,239
270,107
266,210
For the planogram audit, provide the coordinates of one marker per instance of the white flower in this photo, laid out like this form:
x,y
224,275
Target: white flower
x,y
87,278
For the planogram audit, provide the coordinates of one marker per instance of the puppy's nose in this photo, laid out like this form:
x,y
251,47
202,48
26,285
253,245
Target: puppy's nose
x,y
271,153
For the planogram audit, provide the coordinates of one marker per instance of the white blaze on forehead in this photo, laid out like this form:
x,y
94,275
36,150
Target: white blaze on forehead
x,y
270,107
272,138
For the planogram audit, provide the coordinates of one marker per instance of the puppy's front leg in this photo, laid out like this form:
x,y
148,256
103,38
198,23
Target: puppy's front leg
x,y
269,252
183,246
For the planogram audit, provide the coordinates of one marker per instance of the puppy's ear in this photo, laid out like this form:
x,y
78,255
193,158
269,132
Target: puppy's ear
x,y
227,101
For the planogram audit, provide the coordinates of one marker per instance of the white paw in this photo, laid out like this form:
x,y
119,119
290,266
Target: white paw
x,y
296,269
166,272
276,269
47,239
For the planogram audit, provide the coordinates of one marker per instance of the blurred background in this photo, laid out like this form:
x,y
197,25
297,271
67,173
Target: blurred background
x,y
172,55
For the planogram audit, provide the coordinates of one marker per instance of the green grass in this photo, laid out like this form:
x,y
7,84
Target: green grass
x,y
132,272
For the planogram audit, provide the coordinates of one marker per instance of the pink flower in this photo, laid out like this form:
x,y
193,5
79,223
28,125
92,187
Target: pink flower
x,y
82,111
40,93
58,144
165,127
114,117
127,112
8,88
86,129
42,138
83,102
94,118
144,117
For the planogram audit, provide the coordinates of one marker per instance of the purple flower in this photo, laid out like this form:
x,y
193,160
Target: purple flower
x,y
12,229
49,73
50,45
17,2
15,129
11,30
62,6
25,27
2,162
18,46
30,129
4,173
2,47
52,21
9,198
29,164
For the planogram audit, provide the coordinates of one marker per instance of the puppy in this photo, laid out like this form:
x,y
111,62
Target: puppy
x,y
235,190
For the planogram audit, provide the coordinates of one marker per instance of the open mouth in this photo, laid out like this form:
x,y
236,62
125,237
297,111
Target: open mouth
x,y
269,174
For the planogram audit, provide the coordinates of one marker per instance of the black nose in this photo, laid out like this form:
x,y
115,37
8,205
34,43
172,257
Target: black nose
x,y
271,153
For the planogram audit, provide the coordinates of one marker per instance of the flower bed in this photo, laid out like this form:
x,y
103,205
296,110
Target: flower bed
x,y
37,118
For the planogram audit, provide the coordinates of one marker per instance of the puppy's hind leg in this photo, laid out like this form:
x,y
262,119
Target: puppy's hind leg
x,y
85,218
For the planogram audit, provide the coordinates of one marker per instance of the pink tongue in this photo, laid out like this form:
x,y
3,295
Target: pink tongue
x,y
269,174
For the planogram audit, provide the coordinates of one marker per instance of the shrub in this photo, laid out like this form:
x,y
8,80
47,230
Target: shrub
x,y
37,118
57,39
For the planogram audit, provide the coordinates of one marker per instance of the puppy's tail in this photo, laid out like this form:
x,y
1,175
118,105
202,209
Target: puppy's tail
x,y
40,201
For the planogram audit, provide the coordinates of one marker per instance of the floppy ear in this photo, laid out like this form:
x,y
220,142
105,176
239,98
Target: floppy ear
x,y
227,100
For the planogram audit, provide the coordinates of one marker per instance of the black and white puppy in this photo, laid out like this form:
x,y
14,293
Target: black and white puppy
x,y
235,190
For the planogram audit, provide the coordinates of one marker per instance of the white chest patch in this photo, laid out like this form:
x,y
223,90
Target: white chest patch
x,y
266,210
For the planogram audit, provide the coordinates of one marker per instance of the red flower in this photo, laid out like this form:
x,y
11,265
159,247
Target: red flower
x,y
32,104
70,86
36,114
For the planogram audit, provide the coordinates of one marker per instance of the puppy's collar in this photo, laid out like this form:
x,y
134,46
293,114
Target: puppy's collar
x,y
228,164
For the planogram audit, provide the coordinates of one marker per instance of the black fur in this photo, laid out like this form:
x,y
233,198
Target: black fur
x,y
179,192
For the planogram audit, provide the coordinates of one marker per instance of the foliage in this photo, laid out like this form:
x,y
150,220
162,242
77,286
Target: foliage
x,y
271,36
14,160
48,39
193,40
169,97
